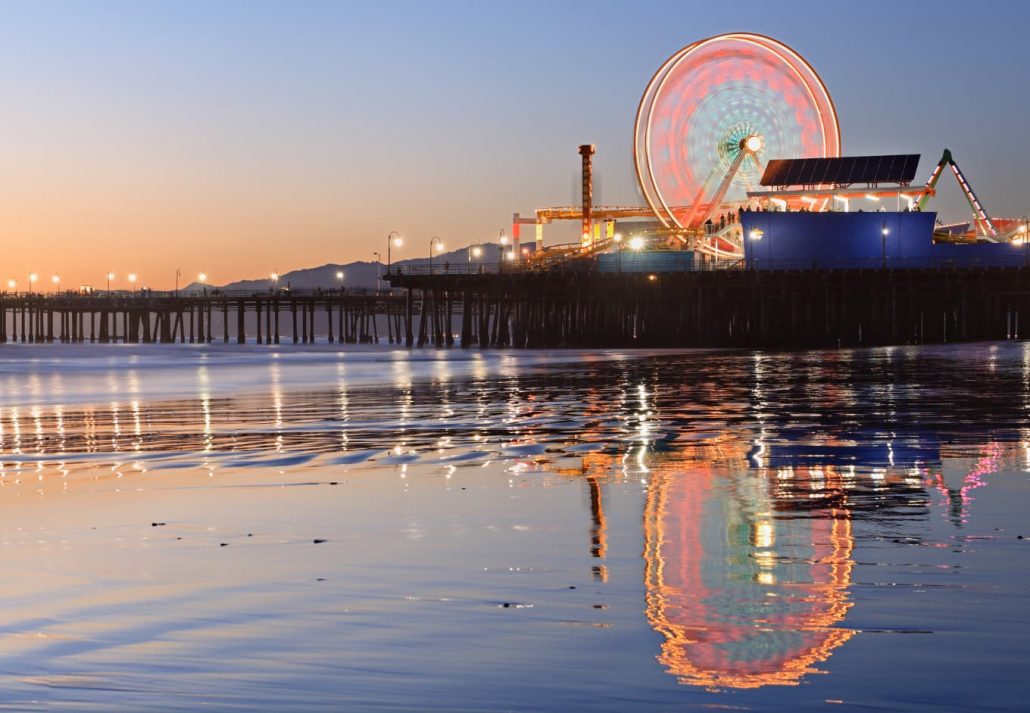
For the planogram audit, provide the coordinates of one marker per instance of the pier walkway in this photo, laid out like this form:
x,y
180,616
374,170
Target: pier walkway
x,y
719,308
151,317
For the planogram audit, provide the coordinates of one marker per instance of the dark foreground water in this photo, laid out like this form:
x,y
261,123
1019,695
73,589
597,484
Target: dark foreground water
x,y
258,529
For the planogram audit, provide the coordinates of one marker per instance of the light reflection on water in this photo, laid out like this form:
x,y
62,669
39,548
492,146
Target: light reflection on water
x,y
775,498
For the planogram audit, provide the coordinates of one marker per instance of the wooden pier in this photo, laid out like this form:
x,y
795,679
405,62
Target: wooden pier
x,y
561,308
722,308
167,318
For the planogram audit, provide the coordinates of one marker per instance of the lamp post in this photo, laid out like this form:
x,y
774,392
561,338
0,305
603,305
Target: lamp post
x,y
473,251
379,270
1026,241
110,276
1023,238
339,279
502,241
618,248
274,277
12,285
884,232
32,281
132,281
392,240
56,279
178,274
438,244
202,279
754,235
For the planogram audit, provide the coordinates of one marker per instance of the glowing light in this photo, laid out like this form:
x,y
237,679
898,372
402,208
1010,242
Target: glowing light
x,y
753,143
33,277
55,279
439,247
397,242
871,197
202,277
477,251
636,243
274,276
885,230
110,276
339,274
511,255
652,278
755,234
617,237
764,536
11,284
132,277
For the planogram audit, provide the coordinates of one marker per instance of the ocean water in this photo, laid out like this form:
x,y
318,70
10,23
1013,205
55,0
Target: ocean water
x,y
289,528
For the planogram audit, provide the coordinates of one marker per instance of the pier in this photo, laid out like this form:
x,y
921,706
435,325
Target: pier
x,y
720,308
571,306
344,317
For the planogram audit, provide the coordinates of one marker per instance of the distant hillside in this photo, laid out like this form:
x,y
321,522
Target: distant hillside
x,y
355,274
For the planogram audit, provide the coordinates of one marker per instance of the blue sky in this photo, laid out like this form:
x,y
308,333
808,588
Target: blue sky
x,y
237,135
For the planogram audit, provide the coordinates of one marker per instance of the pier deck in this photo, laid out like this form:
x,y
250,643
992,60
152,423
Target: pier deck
x,y
346,317
721,308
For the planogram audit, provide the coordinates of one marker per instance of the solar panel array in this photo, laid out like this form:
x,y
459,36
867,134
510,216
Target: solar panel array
x,y
845,170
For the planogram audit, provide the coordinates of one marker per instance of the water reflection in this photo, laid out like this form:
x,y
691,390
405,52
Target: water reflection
x,y
755,469
742,597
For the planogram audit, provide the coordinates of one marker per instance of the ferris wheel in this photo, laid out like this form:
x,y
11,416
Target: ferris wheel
x,y
711,117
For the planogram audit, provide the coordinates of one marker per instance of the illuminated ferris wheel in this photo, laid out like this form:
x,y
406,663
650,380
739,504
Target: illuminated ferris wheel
x,y
712,116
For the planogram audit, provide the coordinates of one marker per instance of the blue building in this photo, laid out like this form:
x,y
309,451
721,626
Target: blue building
x,y
803,240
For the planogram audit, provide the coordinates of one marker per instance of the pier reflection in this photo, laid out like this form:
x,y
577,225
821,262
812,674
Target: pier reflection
x,y
756,470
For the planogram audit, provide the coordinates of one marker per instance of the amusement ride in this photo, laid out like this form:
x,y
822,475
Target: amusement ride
x,y
710,122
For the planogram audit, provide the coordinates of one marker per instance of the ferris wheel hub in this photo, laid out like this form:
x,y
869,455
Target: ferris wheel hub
x,y
752,144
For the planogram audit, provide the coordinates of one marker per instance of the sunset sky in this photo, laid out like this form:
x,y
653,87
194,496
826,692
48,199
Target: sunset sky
x,y
242,136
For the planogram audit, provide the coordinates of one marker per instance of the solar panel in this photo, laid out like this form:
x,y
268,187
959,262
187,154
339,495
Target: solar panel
x,y
844,170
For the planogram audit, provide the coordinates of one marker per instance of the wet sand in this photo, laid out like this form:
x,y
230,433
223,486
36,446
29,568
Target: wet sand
x,y
323,530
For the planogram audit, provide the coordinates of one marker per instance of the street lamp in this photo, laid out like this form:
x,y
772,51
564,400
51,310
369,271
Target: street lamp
x,y
379,270
1026,241
32,281
884,232
393,240
178,274
618,248
339,278
56,279
132,281
502,241
473,251
1023,238
636,243
12,285
754,235
438,244
110,276
202,278
274,277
